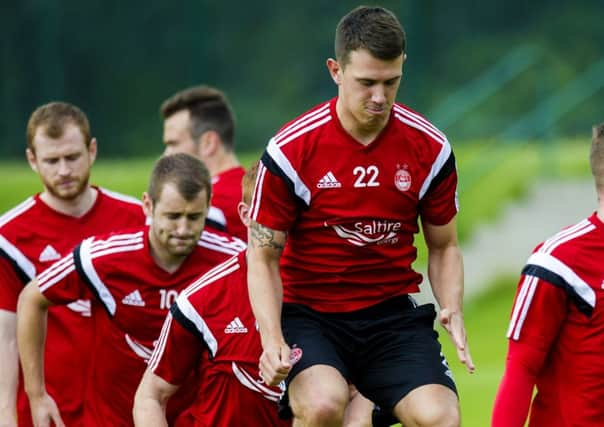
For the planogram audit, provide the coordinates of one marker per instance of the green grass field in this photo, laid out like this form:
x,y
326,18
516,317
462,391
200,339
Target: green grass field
x,y
490,176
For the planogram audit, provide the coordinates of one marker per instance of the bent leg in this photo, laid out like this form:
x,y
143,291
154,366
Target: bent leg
x,y
359,410
318,397
431,405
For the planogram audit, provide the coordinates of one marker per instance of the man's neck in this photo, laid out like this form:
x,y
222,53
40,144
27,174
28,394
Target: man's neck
x,y
222,163
162,258
76,207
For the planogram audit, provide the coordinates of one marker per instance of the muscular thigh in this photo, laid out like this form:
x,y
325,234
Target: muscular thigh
x,y
316,385
428,405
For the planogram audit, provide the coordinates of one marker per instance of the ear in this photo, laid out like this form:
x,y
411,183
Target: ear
x,y
31,159
243,209
147,205
92,150
334,70
209,144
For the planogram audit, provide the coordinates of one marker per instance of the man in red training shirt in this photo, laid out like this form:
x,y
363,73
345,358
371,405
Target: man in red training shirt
x,y
212,319
134,275
199,121
338,199
556,332
38,232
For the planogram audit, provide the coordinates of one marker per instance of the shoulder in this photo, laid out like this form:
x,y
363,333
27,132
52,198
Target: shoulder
x,y
19,213
315,116
119,210
570,260
411,121
212,285
119,198
304,124
112,245
288,150
233,174
222,242
564,245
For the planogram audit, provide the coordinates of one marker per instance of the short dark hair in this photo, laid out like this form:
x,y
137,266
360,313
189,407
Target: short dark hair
x,y
188,173
373,28
209,109
596,155
53,118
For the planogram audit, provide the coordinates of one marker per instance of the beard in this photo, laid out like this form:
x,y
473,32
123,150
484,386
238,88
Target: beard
x,y
73,192
182,249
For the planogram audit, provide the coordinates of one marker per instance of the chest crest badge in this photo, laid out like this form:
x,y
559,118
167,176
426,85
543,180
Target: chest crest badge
x,y
402,179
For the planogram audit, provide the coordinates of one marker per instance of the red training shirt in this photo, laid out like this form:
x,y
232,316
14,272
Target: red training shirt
x,y
351,210
32,237
213,320
556,334
226,195
119,271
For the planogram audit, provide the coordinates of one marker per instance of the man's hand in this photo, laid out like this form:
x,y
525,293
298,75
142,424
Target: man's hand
x,y
44,410
275,363
453,323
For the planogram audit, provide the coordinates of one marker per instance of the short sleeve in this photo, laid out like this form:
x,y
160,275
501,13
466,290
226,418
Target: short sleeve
x,y
61,282
274,204
440,204
11,286
169,361
539,309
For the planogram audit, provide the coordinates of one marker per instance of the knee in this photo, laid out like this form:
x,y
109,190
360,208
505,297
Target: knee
x,y
437,416
320,412
358,423
431,405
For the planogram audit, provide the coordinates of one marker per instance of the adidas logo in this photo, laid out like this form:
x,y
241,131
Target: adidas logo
x,y
235,327
49,254
329,181
134,298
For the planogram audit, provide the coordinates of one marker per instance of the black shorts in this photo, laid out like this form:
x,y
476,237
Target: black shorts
x,y
385,350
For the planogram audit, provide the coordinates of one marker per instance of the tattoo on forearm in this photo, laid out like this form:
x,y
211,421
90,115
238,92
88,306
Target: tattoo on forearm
x,y
263,237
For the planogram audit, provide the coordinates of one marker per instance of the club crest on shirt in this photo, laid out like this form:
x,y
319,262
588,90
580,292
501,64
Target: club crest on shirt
x,y
402,179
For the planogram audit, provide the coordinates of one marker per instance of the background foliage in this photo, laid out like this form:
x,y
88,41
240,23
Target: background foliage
x,y
119,60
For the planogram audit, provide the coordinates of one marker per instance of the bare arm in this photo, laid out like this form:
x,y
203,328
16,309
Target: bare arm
x,y
445,271
9,369
32,311
266,297
151,399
